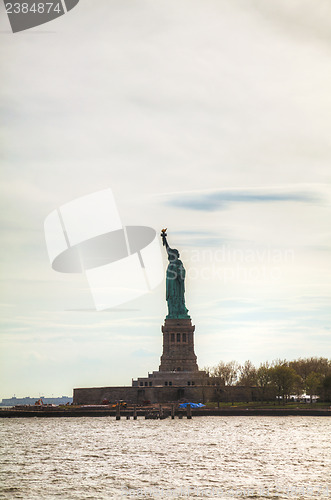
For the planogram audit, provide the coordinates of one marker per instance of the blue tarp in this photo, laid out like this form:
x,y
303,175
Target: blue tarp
x,y
193,405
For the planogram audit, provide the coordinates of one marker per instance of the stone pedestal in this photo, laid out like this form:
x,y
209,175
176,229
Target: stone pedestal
x,y
178,346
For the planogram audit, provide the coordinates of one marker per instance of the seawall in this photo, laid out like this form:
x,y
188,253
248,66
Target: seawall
x,y
141,412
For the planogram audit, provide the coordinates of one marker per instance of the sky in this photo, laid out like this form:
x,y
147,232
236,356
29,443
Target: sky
x,y
211,118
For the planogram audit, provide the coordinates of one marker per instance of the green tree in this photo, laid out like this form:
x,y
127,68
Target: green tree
x,y
325,390
313,383
264,380
305,366
284,379
247,377
225,375
227,372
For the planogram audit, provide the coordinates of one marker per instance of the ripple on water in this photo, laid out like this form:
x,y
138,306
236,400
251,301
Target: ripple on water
x,y
101,458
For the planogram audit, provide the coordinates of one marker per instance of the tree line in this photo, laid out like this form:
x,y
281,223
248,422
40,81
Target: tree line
x,y
279,379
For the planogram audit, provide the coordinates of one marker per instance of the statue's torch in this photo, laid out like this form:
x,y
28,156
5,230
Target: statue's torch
x,y
164,236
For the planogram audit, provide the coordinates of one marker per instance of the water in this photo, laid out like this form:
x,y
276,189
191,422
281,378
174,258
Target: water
x,y
206,457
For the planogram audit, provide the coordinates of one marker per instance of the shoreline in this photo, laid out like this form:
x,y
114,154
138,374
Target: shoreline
x,y
142,412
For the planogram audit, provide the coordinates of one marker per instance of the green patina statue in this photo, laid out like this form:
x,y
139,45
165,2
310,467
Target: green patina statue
x,y
175,288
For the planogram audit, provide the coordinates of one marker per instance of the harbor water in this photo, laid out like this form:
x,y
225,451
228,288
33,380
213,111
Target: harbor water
x,y
206,457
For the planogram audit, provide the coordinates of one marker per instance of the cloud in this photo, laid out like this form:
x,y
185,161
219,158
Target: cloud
x,y
219,200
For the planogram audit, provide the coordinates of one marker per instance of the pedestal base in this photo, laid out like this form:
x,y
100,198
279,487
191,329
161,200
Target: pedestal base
x,y
178,346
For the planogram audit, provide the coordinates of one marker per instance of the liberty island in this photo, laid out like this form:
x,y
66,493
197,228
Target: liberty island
x,y
178,376
179,379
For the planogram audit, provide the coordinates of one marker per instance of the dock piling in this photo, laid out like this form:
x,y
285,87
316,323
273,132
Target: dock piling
x,y
118,412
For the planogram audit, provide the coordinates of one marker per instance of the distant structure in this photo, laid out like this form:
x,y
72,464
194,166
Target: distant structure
x,y
31,401
178,377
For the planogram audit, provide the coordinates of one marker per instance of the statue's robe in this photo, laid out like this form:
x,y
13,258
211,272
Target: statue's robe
x,y
175,289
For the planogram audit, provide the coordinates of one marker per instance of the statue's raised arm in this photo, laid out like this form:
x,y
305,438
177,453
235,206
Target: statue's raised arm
x,y
172,252
164,238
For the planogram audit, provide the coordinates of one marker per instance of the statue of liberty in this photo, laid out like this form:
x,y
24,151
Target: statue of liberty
x,y
175,288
